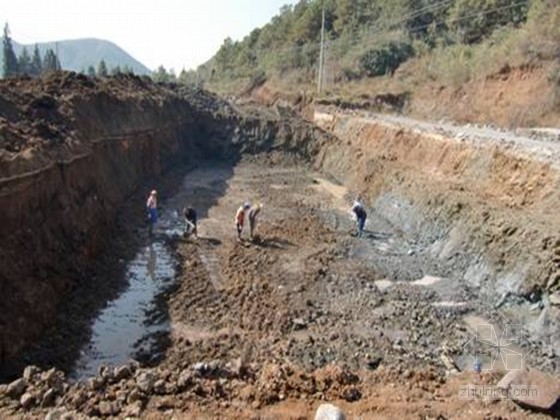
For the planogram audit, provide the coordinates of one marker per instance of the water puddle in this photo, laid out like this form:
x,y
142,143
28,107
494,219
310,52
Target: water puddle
x,y
126,326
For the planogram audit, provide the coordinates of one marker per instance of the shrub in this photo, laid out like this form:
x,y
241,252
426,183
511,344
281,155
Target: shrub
x,y
385,59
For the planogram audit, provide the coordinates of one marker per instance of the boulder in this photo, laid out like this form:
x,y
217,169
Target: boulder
x,y
329,412
27,400
49,398
134,396
554,298
122,372
185,380
95,383
133,410
16,388
531,388
107,408
159,387
30,373
145,381
58,414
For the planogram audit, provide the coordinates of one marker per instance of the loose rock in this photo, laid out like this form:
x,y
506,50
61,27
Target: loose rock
x,y
329,412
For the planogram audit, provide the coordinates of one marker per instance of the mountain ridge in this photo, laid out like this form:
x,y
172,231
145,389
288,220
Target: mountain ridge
x,y
78,54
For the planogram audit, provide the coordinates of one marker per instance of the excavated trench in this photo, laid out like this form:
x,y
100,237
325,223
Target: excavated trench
x,y
461,225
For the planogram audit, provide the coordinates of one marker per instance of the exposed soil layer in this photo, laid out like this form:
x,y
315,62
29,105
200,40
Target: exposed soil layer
x,y
71,151
459,224
75,153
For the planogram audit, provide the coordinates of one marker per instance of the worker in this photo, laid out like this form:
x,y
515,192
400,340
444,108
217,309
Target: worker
x,y
240,218
190,220
151,210
361,215
253,213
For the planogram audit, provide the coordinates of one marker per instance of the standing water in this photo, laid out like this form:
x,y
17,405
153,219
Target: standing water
x,y
123,329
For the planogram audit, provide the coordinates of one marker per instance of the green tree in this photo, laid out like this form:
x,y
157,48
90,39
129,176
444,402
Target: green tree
x,y
161,75
24,62
91,71
36,62
225,57
116,70
102,69
9,58
472,20
50,61
385,59
128,69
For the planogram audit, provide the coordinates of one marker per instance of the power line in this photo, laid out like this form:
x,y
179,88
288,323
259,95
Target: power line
x,y
419,27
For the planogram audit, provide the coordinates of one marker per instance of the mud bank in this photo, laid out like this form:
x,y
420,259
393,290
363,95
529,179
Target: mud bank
x,y
484,203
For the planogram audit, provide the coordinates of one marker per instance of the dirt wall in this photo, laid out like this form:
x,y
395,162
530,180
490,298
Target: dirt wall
x,y
73,150
485,208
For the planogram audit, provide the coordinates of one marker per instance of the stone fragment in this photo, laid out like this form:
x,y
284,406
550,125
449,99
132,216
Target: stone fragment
x,y
16,388
134,396
185,380
133,410
531,388
30,373
329,412
554,298
49,398
159,387
122,372
58,414
145,381
27,400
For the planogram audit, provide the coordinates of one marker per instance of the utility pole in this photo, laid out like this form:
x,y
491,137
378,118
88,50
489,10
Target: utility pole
x,y
321,54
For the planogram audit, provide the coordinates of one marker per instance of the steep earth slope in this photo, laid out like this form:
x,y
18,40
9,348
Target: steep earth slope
x,y
71,151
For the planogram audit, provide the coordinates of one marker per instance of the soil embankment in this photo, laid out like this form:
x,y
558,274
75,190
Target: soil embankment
x,y
72,150
485,195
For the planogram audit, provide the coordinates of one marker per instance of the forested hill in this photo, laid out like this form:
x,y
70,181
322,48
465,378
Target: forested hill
x,y
368,38
79,54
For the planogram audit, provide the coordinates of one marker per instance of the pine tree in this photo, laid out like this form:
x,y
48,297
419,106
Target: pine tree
x,y
102,69
160,75
24,62
50,62
36,62
10,59
116,70
91,71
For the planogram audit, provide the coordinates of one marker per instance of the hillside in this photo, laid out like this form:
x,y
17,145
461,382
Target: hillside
x,y
432,58
79,54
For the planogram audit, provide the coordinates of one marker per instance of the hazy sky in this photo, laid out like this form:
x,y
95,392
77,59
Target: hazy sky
x,y
173,33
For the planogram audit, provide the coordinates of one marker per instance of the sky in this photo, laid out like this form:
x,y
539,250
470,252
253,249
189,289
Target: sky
x,y
174,33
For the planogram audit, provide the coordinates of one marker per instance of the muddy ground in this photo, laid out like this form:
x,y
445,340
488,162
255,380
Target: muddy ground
x,y
306,313
308,298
